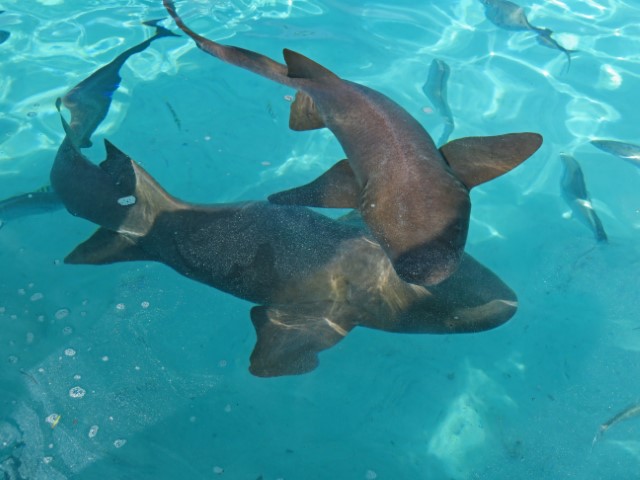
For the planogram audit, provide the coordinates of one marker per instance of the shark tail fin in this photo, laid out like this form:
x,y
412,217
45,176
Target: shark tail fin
x,y
476,160
136,193
289,342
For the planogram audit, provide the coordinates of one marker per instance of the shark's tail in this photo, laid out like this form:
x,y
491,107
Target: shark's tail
x,y
119,195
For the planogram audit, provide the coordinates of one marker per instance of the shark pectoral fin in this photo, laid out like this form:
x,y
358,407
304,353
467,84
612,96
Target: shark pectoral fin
x,y
476,160
106,246
288,343
304,115
336,188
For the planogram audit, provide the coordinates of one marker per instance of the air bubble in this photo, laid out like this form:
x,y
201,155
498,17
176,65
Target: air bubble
x,y
62,313
53,419
37,296
70,352
47,460
119,443
370,475
218,470
66,331
144,304
120,306
93,431
21,291
77,377
77,392
12,359
105,358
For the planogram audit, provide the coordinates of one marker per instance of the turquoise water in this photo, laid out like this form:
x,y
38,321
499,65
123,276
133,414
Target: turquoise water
x,y
163,360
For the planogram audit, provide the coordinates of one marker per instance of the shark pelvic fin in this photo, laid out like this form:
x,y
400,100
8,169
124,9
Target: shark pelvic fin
x,y
304,115
106,246
476,160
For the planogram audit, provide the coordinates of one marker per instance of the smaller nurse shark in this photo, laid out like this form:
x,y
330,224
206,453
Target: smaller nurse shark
x,y
413,196
313,278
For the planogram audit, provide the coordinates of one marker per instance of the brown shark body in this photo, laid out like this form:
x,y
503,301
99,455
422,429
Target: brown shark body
x,y
314,278
413,197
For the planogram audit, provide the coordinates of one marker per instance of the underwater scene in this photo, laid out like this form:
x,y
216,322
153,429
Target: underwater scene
x,y
201,200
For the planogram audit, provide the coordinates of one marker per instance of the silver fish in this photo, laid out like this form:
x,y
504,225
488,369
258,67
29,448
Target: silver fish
x,y
435,88
574,191
629,412
626,151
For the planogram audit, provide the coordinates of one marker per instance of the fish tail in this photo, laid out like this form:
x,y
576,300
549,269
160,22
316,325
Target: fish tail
x,y
160,30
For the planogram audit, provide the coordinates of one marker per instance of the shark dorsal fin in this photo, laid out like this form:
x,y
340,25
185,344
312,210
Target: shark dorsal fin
x,y
299,66
476,160
120,167
335,188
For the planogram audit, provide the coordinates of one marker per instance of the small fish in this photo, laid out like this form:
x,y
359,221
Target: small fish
x,y
510,16
627,151
435,88
174,115
629,412
575,193
545,40
43,200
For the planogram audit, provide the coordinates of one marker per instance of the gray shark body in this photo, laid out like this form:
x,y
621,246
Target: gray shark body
x,y
313,278
574,191
413,197
435,88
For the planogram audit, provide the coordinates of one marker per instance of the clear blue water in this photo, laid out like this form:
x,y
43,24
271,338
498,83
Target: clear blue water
x,y
163,360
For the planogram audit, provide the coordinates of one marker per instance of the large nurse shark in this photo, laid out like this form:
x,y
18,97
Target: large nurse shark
x,y
413,197
313,278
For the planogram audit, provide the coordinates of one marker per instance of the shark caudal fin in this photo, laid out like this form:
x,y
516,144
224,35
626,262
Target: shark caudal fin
x,y
119,195
476,160
288,342
335,188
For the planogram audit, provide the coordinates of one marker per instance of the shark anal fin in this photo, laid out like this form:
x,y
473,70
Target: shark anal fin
x,y
476,160
106,246
288,343
304,115
336,188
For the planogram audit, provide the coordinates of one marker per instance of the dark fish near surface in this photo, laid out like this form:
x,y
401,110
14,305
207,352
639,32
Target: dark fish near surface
x,y
313,278
626,151
4,35
39,201
413,197
510,16
435,88
629,412
89,101
575,193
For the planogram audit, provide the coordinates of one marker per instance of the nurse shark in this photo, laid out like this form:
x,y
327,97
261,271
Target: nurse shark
x,y
413,197
313,278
